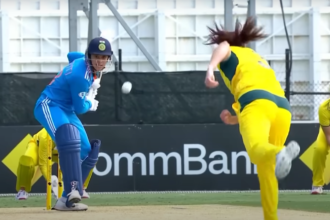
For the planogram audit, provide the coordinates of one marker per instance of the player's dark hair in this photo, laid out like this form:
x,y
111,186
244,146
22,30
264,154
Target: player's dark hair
x,y
239,37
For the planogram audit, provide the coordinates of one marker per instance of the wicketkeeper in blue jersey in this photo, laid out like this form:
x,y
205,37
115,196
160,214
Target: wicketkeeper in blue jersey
x,y
73,92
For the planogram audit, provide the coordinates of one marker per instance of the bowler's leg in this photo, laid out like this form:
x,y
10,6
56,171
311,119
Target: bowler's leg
x,y
255,124
268,189
263,142
266,171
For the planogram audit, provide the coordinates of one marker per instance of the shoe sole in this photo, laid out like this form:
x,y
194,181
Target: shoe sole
x,y
69,210
293,149
284,167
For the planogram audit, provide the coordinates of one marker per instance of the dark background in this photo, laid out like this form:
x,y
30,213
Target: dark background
x,y
156,98
164,111
167,138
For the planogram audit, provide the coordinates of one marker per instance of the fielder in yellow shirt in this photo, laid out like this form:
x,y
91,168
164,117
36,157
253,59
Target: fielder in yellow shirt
x,y
321,148
263,112
36,155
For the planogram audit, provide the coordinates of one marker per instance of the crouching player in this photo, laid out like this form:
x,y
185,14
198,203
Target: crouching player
x,y
321,148
36,155
73,92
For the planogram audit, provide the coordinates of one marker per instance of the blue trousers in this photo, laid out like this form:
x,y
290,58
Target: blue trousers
x,y
51,117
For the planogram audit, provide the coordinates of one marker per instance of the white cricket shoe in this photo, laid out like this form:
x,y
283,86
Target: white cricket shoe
x,y
85,195
22,195
54,181
316,190
60,206
74,197
284,159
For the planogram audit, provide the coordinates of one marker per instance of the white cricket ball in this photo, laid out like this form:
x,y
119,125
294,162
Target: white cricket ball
x,y
126,88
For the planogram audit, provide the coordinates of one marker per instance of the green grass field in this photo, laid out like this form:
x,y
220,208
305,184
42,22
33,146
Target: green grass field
x,y
294,201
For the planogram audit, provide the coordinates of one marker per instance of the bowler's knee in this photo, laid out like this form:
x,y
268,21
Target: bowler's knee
x,y
256,152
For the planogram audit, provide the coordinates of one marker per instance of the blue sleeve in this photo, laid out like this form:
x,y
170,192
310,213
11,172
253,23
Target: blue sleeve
x,y
79,88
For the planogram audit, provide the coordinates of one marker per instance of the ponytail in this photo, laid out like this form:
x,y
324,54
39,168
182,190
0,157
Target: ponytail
x,y
239,37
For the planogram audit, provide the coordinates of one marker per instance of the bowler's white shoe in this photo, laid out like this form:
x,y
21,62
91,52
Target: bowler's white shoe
x,y
22,195
284,159
85,195
316,190
60,206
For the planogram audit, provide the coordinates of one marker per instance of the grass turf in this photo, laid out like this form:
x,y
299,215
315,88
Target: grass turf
x,y
294,201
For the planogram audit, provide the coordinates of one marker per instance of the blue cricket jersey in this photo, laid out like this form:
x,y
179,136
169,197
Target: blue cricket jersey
x,y
69,87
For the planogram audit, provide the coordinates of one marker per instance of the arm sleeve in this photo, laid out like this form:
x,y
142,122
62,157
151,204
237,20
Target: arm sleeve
x,y
79,88
324,113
